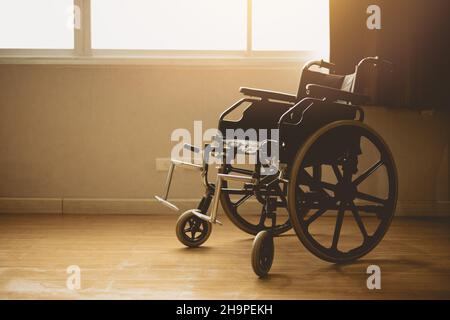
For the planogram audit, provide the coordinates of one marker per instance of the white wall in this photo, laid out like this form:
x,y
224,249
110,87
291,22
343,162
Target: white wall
x,y
80,132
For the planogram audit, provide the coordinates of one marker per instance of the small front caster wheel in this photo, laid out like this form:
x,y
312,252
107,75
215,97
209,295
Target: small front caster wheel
x,y
191,230
262,253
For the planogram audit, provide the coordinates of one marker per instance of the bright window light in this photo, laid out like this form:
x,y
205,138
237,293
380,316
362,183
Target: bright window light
x,y
36,24
169,24
291,25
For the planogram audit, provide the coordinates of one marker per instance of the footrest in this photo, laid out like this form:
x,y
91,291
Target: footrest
x,y
205,217
167,203
187,165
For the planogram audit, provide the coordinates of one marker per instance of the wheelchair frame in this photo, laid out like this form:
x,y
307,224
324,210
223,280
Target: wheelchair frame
x,y
312,146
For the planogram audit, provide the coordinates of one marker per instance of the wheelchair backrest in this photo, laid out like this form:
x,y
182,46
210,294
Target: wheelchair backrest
x,y
342,82
365,82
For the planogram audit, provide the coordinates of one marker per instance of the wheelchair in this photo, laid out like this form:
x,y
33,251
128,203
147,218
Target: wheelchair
x,y
321,175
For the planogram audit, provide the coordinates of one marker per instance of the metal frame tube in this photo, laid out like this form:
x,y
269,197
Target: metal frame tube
x,y
221,177
169,180
173,164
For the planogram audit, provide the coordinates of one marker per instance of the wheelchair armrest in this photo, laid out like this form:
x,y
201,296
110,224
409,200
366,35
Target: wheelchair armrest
x,y
318,91
265,94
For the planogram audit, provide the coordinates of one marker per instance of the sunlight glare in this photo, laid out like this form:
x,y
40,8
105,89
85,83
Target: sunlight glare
x,y
291,25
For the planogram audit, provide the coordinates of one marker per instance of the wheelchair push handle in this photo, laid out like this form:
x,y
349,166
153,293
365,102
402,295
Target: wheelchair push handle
x,y
327,65
321,64
376,61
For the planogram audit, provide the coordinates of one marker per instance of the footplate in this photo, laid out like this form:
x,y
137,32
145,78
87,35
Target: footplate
x,y
167,203
163,200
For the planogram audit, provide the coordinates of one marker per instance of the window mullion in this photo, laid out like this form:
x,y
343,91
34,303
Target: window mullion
x,y
249,50
83,28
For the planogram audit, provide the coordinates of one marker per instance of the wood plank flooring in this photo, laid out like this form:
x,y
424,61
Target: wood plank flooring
x,y
139,257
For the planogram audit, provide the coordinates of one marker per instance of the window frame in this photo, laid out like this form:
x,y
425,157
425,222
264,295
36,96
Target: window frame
x,y
84,54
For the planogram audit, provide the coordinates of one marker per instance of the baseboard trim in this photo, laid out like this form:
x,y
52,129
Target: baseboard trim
x,y
118,206
423,208
151,206
31,205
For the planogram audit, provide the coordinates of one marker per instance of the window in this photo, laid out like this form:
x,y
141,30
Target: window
x,y
290,25
36,24
125,28
169,24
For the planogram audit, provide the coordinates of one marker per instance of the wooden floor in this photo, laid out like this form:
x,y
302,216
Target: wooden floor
x,y
139,257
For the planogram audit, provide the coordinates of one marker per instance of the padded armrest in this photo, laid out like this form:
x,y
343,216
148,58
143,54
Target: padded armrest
x,y
265,94
317,91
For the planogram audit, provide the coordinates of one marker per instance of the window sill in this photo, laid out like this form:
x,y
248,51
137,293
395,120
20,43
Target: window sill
x,y
207,59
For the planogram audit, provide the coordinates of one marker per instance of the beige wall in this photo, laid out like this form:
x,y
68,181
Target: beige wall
x,y
78,132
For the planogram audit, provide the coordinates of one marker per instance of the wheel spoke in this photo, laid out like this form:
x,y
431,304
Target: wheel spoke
x,y
368,197
317,184
367,173
187,226
337,172
337,229
242,200
327,186
359,221
193,228
315,216
263,218
300,191
281,194
330,203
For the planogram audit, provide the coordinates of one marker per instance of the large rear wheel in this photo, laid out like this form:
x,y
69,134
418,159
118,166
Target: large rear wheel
x,y
343,213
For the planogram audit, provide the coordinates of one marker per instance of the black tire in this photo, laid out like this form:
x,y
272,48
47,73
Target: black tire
x,y
191,230
262,253
243,222
379,210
